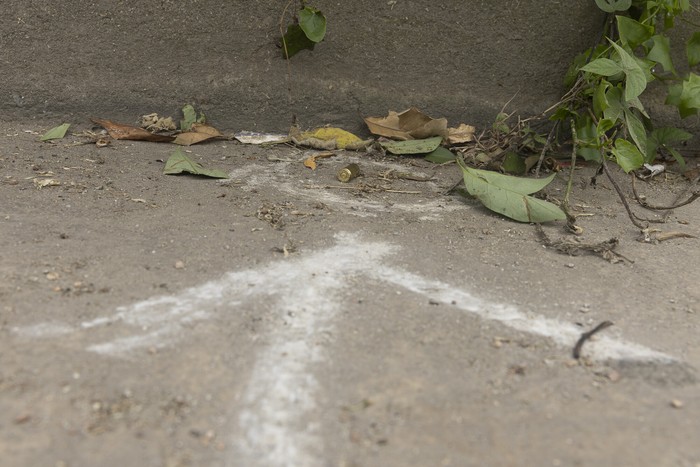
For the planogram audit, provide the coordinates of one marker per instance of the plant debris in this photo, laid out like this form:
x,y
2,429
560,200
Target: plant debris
x,y
604,249
586,336
56,132
130,132
179,163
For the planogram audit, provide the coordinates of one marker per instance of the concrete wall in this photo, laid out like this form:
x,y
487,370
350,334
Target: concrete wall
x,y
462,59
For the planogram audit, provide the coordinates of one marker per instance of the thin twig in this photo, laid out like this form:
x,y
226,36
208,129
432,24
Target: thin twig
x,y
570,219
547,146
631,215
587,335
653,207
286,56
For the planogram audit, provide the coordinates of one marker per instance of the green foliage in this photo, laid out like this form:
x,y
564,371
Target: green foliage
x,y
509,196
612,76
308,29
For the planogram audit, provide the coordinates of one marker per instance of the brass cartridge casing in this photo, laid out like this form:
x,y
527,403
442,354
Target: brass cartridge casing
x,y
348,172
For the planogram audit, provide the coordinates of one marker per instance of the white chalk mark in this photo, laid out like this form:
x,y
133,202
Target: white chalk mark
x,y
256,176
564,334
305,294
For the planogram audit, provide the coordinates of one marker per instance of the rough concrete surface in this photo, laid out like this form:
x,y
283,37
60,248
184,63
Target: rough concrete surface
x,y
157,320
281,318
461,60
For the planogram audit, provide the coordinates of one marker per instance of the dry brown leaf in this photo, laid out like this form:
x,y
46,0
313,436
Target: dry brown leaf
x,y
462,134
310,161
130,132
200,132
407,125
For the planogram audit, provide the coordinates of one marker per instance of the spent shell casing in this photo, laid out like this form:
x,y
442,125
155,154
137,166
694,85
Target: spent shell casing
x,y
348,172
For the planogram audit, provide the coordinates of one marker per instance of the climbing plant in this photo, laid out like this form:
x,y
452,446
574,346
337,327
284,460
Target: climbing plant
x,y
609,79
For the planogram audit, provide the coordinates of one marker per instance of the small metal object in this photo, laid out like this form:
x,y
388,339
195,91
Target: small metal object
x,y
348,172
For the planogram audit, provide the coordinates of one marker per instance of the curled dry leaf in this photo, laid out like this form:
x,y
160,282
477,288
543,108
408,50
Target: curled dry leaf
x,y
462,134
200,132
310,161
130,132
409,124
153,122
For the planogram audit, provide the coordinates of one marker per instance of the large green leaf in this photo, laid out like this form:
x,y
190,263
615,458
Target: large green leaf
x,y
508,195
603,67
610,6
627,155
178,163
413,146
636,81
294,41
663,137
313,23
632,32
660,52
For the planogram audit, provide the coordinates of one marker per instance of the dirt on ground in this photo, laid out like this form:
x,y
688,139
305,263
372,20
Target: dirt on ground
x,y
281,317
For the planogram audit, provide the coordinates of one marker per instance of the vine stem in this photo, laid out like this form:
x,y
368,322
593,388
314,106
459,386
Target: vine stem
x,y
631,215
286,56
570,219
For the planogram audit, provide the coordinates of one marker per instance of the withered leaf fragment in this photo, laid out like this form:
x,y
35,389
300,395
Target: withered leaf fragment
x,y
130,132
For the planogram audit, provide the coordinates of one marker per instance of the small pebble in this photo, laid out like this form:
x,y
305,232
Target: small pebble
x,y
676,403
179,264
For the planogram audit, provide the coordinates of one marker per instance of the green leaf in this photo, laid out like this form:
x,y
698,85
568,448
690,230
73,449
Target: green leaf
x,y
513,163
587,143
692,49
600,101
603,67
627,155
178,163
670,135
685,96
414,146
662,137
636,81
508,195
294,41
615,105
636,129
676,155
604,125
610,6
189,115
632,32
660,52
313,23
56,132
440,156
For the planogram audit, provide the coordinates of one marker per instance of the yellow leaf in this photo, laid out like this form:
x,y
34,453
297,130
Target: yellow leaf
x,y
341,137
